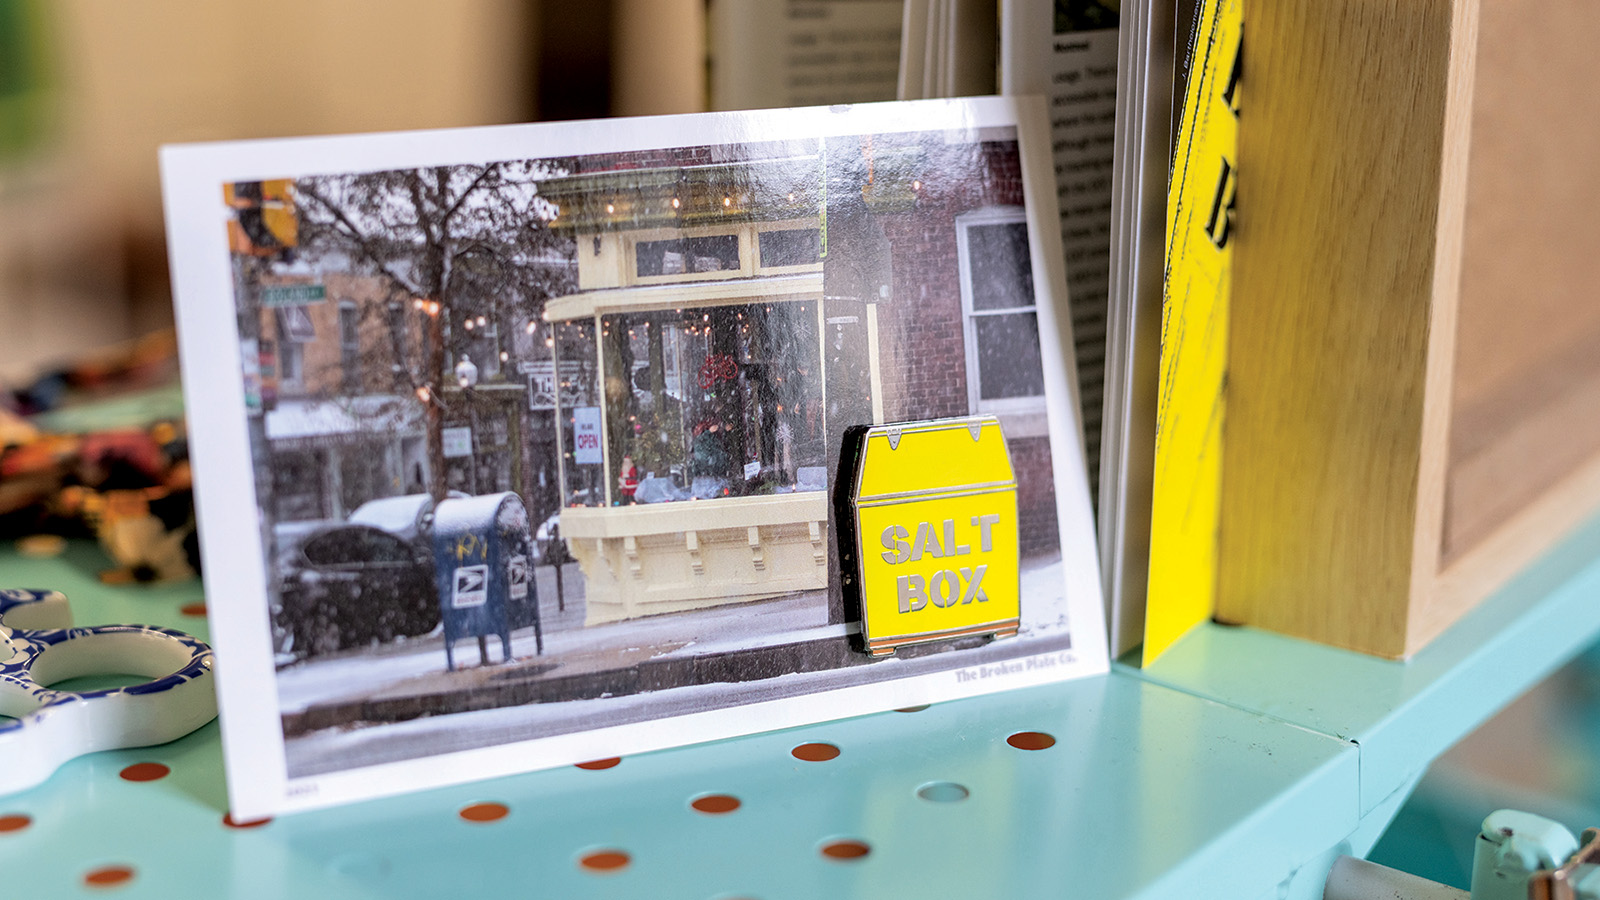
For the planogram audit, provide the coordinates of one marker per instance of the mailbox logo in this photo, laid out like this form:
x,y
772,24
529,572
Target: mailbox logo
x,y
472,587
517,576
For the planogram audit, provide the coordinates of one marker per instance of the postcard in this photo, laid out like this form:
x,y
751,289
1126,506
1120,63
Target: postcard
x,y
522,446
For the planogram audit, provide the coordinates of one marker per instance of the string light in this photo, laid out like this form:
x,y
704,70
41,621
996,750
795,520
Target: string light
x,y
916,184
482,321
532,326
417,304
469,324
675,203
611,208
727,201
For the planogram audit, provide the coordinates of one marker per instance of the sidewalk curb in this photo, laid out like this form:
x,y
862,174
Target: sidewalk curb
x,y
518,686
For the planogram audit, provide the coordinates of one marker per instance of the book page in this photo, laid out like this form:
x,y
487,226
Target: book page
x,y
1067,50
770,53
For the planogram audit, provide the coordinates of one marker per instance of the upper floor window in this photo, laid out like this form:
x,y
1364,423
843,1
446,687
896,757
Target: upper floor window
x,y
1005,372
785,247
350,344
687,255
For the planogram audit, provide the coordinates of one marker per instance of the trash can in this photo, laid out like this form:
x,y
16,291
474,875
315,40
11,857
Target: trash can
x,y
483,557
934,547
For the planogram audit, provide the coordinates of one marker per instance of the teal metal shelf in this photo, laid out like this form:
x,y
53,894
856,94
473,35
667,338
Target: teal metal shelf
x,y
1236,767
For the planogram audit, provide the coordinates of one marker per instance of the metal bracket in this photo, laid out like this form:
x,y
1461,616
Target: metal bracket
x,y
691,539
754,536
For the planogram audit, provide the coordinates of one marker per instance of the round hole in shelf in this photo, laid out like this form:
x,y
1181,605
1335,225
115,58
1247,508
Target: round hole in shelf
x,y
715,804
845,849
910,709
108,876
361,865
14,822
594,765
231,822
193,609
485,812
604,860
815,752
1031,740
145,771
943,792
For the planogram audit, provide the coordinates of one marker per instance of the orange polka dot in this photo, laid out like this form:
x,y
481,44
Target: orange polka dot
x,y
1031,740
231,822
108,876
145,771
605,860
193,609
14,823
845,849
597,764
716,804
815,752
485,812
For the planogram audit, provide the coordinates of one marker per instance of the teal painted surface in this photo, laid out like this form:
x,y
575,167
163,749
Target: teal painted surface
x,y
1239,766
1402,715
1146,793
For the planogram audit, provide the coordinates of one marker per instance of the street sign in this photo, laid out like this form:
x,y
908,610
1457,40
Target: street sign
x,y
543,383
292,294
457,442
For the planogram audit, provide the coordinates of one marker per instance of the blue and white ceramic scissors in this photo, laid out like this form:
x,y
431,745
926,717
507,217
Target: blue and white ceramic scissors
x,y
39,647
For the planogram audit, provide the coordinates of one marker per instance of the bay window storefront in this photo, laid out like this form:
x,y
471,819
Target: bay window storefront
x,y
694,458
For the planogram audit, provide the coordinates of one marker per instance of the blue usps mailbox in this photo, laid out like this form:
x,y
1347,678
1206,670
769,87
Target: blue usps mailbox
x,y
483,559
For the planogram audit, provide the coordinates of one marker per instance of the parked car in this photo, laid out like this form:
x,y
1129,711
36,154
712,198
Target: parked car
x,y
349,585
410,515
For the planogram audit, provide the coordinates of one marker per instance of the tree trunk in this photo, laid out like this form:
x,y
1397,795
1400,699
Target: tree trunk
x,y
435,421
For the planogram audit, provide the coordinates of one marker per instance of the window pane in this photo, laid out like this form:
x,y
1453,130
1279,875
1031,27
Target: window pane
x,y
714,402
1002,277
678,256
578,411
791,247
1008,356
349,317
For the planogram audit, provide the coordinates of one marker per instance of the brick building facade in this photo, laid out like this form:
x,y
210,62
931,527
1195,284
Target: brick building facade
x,y
919,192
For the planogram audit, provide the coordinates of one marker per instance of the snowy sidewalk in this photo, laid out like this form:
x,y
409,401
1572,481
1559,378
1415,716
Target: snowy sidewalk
x,y
417,667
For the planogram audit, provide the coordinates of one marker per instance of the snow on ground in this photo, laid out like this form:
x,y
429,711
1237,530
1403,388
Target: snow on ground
x,y
790,619
700,631
803,617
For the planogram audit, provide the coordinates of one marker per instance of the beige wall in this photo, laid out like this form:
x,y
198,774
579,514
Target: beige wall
x,y
139,74
81,259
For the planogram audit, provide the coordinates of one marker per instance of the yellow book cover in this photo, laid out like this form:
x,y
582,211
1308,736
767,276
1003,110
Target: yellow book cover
x,y
1187,475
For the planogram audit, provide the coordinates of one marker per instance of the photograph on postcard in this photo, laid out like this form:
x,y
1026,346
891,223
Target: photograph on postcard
x,y
554,444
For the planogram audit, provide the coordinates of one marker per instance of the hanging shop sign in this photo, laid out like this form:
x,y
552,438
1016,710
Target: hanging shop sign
x,y
586,436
